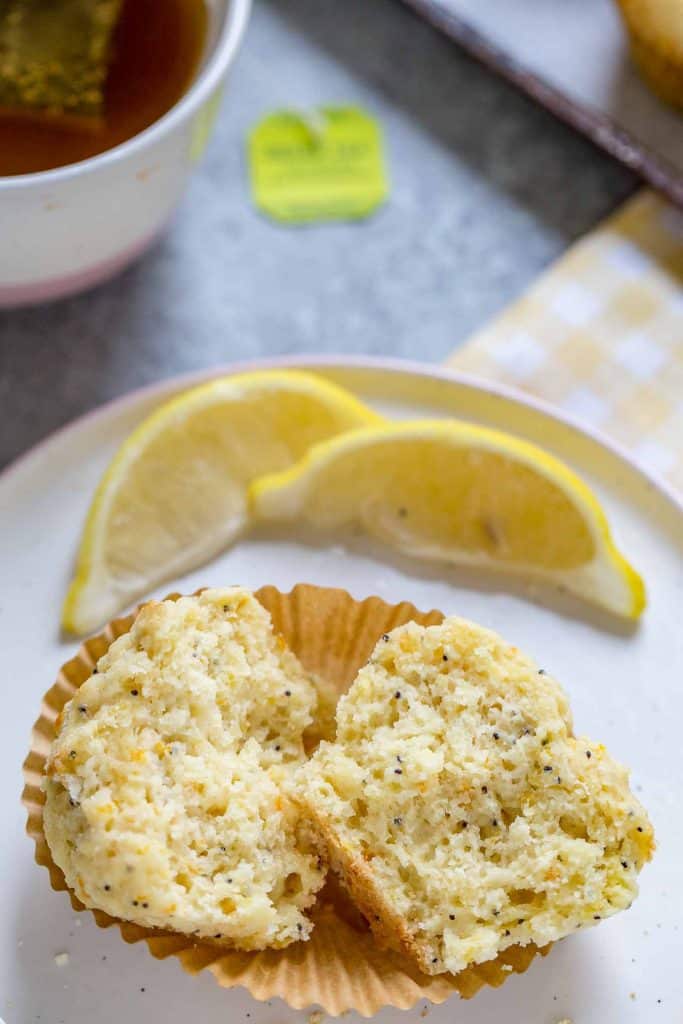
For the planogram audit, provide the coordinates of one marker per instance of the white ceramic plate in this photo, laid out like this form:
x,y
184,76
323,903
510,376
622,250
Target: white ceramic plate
x,y
625,689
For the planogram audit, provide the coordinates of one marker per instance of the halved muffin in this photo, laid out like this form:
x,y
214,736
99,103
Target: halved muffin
x,y
459,810
167,784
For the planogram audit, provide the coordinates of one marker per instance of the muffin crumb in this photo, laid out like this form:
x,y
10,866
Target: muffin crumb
x,y
176,810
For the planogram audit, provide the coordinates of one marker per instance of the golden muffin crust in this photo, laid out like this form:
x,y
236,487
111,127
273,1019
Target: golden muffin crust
x,y
655,30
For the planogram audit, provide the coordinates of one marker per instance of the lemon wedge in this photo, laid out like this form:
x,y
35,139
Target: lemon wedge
x,y
455,492
175,493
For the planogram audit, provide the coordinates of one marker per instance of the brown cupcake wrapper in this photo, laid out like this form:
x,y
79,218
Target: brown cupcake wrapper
x,y
340,968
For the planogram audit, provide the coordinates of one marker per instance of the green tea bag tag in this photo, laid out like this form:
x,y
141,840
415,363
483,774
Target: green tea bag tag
x,y
326,165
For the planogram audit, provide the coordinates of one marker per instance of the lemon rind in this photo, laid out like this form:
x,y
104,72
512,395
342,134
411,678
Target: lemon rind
x,y
89,578
288,490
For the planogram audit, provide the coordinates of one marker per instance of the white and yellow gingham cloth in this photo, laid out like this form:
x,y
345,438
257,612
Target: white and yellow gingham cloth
x,y
600,334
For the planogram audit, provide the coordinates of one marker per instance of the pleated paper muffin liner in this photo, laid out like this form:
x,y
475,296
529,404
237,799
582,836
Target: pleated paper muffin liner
x,y
340,968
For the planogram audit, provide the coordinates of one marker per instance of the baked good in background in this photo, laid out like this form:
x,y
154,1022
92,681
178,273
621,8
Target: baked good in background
x,y
655,29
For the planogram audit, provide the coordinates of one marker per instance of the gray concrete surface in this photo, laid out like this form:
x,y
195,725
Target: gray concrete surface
x,y
486,191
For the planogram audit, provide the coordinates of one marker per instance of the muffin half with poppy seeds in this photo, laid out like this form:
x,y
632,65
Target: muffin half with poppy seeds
x,y
459,810
167,800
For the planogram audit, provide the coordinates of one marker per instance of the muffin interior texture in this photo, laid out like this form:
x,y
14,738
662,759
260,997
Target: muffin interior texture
x,y
167,789
461,812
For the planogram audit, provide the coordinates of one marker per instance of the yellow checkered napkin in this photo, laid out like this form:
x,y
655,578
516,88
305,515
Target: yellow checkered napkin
x,y
600,334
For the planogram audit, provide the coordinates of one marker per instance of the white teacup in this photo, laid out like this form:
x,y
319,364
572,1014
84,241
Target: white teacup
x,y
65,230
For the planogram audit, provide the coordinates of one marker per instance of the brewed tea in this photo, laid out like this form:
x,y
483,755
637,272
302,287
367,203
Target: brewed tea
x,y
157,47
